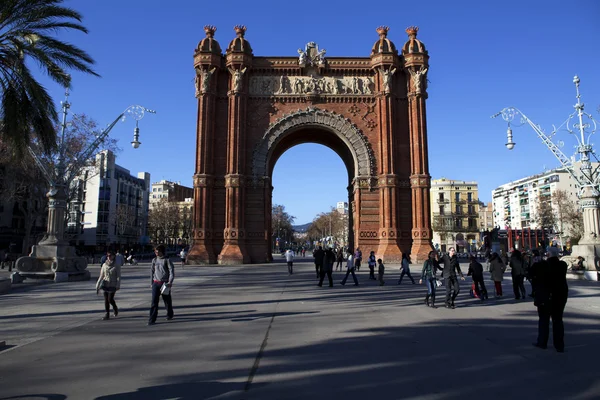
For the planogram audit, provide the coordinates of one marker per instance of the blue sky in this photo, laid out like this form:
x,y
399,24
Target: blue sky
x,y
483,57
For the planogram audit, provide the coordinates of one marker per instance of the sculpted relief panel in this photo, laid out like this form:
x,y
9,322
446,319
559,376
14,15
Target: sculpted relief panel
x,y
299,85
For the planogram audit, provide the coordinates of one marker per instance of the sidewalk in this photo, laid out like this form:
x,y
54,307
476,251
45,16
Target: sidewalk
x,y
255,332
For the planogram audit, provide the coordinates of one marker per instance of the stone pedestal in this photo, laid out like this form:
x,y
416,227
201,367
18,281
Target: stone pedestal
x,y
591,257
58,262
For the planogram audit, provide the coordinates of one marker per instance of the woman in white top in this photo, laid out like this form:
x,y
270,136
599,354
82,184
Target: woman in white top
x,y
109,281
350,267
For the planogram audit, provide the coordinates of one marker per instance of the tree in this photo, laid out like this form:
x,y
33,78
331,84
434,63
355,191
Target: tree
x,y
24,182
281,222
544,215
27,29
125,219
568,216
332,225
163,221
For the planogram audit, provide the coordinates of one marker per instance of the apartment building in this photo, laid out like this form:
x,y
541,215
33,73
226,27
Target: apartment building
x,y
455,214
515,203
172,191
109,205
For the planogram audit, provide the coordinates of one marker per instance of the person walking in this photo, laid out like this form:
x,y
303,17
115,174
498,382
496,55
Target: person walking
x,y
535,258
350,266
109,281
497,268
380,271
428,275
327,267
119,259
183,255
551,293
372,262
517,271
405,269
318,254
162,275
357,258
451,267
289,258
476,271
339,259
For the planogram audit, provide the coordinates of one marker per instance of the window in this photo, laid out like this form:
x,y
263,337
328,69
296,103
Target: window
x,y
458,210
441,210
469,196
457,196
441,198
154,189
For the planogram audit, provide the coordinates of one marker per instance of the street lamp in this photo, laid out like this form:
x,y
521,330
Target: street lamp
x,y
53,255
582,126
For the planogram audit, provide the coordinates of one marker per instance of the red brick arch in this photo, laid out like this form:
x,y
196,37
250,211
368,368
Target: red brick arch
x,y
369,110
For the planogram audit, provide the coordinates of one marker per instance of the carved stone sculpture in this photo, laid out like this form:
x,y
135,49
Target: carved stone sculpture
x,y
367,85
387,78
301,57
417,79
238,75
202,80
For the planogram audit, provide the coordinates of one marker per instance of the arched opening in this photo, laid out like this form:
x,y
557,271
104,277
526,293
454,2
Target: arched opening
x,y
311,172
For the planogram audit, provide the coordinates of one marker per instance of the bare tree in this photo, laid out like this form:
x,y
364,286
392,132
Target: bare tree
x,y
163,221
544,215
124,220
568,216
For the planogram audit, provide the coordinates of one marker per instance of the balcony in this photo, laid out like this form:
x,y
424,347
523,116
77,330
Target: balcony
x,y
443,201
473,201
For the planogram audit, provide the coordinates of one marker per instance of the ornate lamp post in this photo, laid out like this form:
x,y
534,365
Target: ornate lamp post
x,y
53,257
582,126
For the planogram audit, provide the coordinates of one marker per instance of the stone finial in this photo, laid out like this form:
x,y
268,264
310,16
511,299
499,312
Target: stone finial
x,y
382,31
412,31
240,30
210,30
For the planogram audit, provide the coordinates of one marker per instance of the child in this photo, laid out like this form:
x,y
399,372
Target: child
x,y
381,271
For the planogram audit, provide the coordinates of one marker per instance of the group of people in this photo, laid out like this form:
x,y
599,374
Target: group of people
x,y
162,276
324,260
547,277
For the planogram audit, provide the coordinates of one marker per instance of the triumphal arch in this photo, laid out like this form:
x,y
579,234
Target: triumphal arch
x,y
369,110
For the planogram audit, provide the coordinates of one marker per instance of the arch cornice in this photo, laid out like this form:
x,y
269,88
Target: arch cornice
x,y
349,133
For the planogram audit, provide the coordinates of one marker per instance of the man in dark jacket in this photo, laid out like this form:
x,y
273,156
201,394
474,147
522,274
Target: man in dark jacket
x,y
327,267
476,271
451,267
551,292
319,254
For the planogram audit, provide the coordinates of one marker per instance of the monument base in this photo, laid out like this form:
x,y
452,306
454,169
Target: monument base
x,y
57,262
591,256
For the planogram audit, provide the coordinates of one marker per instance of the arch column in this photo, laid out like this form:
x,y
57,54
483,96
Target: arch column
x,y
234,251
202,250
420,180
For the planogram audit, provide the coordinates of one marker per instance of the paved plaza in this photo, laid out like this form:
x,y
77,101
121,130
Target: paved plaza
x,y
255,332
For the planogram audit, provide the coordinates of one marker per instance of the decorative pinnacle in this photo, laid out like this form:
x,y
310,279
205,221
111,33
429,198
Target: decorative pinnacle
x,y
382,31
240,30
210,30
412,31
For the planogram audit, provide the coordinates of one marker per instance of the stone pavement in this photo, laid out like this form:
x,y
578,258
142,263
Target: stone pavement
x,y
255,332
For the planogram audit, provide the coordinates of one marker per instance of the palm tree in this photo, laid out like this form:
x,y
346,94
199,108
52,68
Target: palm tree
x,y
26,34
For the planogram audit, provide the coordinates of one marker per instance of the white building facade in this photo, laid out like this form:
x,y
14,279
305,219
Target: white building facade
x,y
109,206
515,203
